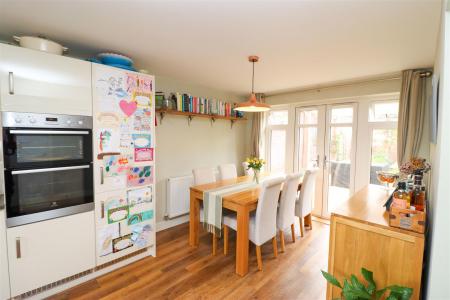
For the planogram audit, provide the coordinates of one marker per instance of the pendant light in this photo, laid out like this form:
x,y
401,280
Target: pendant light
x,y
252,105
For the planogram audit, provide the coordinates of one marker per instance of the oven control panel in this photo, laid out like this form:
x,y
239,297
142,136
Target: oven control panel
x,y
30,120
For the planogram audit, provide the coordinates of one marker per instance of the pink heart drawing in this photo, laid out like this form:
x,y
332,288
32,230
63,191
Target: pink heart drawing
x,y
128,107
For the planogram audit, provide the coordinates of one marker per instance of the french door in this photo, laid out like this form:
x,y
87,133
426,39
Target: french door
x,y
326,140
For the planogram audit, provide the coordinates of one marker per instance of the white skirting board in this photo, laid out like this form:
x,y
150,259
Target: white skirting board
x,y
171,223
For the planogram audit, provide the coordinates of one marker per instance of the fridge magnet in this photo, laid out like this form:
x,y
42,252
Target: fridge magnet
x,y
140,196
115,165
140,217
141,235
143,154
140,175
118,214
121,243
108,140
128,108
105,238
142,120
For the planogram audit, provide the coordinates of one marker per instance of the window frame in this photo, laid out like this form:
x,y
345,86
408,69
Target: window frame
x,y
268,136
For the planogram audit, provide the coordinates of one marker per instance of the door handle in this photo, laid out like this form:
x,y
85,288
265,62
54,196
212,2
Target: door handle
x,y
11,83
18,249
325,161
2,202
102,207
102,179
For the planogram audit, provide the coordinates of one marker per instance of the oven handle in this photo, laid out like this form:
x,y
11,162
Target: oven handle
x,y
49,170
14,131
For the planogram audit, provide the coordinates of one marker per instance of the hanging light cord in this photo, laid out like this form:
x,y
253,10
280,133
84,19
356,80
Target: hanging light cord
x,y
253,76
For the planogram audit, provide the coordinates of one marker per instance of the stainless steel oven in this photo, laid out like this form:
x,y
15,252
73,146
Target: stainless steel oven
x,y
48,166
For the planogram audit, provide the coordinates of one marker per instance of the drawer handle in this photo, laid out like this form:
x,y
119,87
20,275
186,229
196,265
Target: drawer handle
x,y
102,207
18,250
11,83
2,201
102,179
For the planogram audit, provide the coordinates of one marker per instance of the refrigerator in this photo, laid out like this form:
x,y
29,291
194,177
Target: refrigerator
x,y
124,162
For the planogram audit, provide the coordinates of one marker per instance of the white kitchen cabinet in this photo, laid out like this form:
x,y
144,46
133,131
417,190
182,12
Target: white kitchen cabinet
x,y
39,82
48,251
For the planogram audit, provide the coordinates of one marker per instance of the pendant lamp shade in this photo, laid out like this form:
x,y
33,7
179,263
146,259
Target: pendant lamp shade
x,y
252,105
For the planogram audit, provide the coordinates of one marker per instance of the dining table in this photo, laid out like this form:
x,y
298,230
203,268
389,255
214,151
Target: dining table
x,y
242,202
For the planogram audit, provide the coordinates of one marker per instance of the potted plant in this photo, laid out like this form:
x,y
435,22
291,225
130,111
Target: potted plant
x,y
255,164
353,289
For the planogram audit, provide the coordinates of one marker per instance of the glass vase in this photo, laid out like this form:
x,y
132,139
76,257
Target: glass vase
x,y
256,176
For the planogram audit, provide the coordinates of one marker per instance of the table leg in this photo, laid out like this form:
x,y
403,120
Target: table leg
x,y
194,220
242,243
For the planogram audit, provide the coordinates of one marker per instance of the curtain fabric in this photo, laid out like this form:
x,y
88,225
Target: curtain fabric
x,y
257,122
411,117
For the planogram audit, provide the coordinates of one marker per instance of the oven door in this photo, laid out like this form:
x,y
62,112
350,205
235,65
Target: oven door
x,y
26,148
34,195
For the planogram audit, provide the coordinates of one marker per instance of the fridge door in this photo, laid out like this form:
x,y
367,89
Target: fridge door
x,y
125,223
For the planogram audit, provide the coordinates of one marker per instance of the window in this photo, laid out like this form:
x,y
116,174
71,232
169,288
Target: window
x,y
276,137
383,117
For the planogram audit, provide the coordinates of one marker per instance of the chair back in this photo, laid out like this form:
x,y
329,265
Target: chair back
x,y
203,176
307,193
247,171
286,211
266,211
227,171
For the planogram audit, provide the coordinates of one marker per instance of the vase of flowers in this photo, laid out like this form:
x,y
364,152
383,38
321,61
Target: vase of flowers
x,y
255,164
415,168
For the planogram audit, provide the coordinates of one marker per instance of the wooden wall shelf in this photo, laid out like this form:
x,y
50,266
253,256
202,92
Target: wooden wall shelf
x,y
191,115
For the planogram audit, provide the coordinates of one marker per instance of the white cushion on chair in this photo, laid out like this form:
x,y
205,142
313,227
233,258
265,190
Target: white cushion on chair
x,y
227,171
286,209
303,205
263,222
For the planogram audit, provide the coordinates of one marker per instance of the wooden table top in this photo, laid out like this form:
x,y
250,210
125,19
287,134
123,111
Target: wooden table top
x,y
367,206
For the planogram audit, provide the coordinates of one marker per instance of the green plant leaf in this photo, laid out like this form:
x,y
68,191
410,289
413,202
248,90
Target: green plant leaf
x,y
401,292
380,293
392,297
368,276
351,292
331,279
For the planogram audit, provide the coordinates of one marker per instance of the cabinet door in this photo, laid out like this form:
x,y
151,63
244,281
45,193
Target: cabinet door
x,y
34,81
48,251
125,223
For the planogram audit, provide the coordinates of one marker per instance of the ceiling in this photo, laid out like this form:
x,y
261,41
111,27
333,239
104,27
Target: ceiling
x,y
301,43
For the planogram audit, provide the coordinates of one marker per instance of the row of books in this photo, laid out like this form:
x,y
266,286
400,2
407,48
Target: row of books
x,y
188,103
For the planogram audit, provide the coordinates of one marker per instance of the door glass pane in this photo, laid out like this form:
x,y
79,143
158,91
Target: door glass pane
x,y
384,152
277,150
44,148
307,154
308,117
339,165
342,115
278,117
383,112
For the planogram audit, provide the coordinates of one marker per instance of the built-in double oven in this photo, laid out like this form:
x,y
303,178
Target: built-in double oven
x,y
48,166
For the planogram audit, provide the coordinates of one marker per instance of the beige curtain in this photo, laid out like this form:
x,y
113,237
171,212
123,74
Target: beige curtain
x,y
257,123
411,117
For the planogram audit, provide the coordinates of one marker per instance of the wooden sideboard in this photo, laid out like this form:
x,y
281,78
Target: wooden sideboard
x,y
360,236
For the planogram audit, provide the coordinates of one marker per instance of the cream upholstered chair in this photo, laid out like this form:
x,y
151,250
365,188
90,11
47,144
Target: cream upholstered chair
x,y
204,176
303,206
247,171
227,171
263,222
286,210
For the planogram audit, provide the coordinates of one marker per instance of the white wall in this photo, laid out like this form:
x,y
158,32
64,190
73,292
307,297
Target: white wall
x,y
437,269
180,147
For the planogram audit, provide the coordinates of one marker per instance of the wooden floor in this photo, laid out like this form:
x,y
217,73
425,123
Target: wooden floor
x,y
182,272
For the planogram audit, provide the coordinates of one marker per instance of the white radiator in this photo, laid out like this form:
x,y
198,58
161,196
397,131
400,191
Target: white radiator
x,y
177,195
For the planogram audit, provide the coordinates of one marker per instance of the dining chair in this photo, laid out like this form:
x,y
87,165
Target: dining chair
x,y
304,203
247,171
263,222
227,171
204,176
286,210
